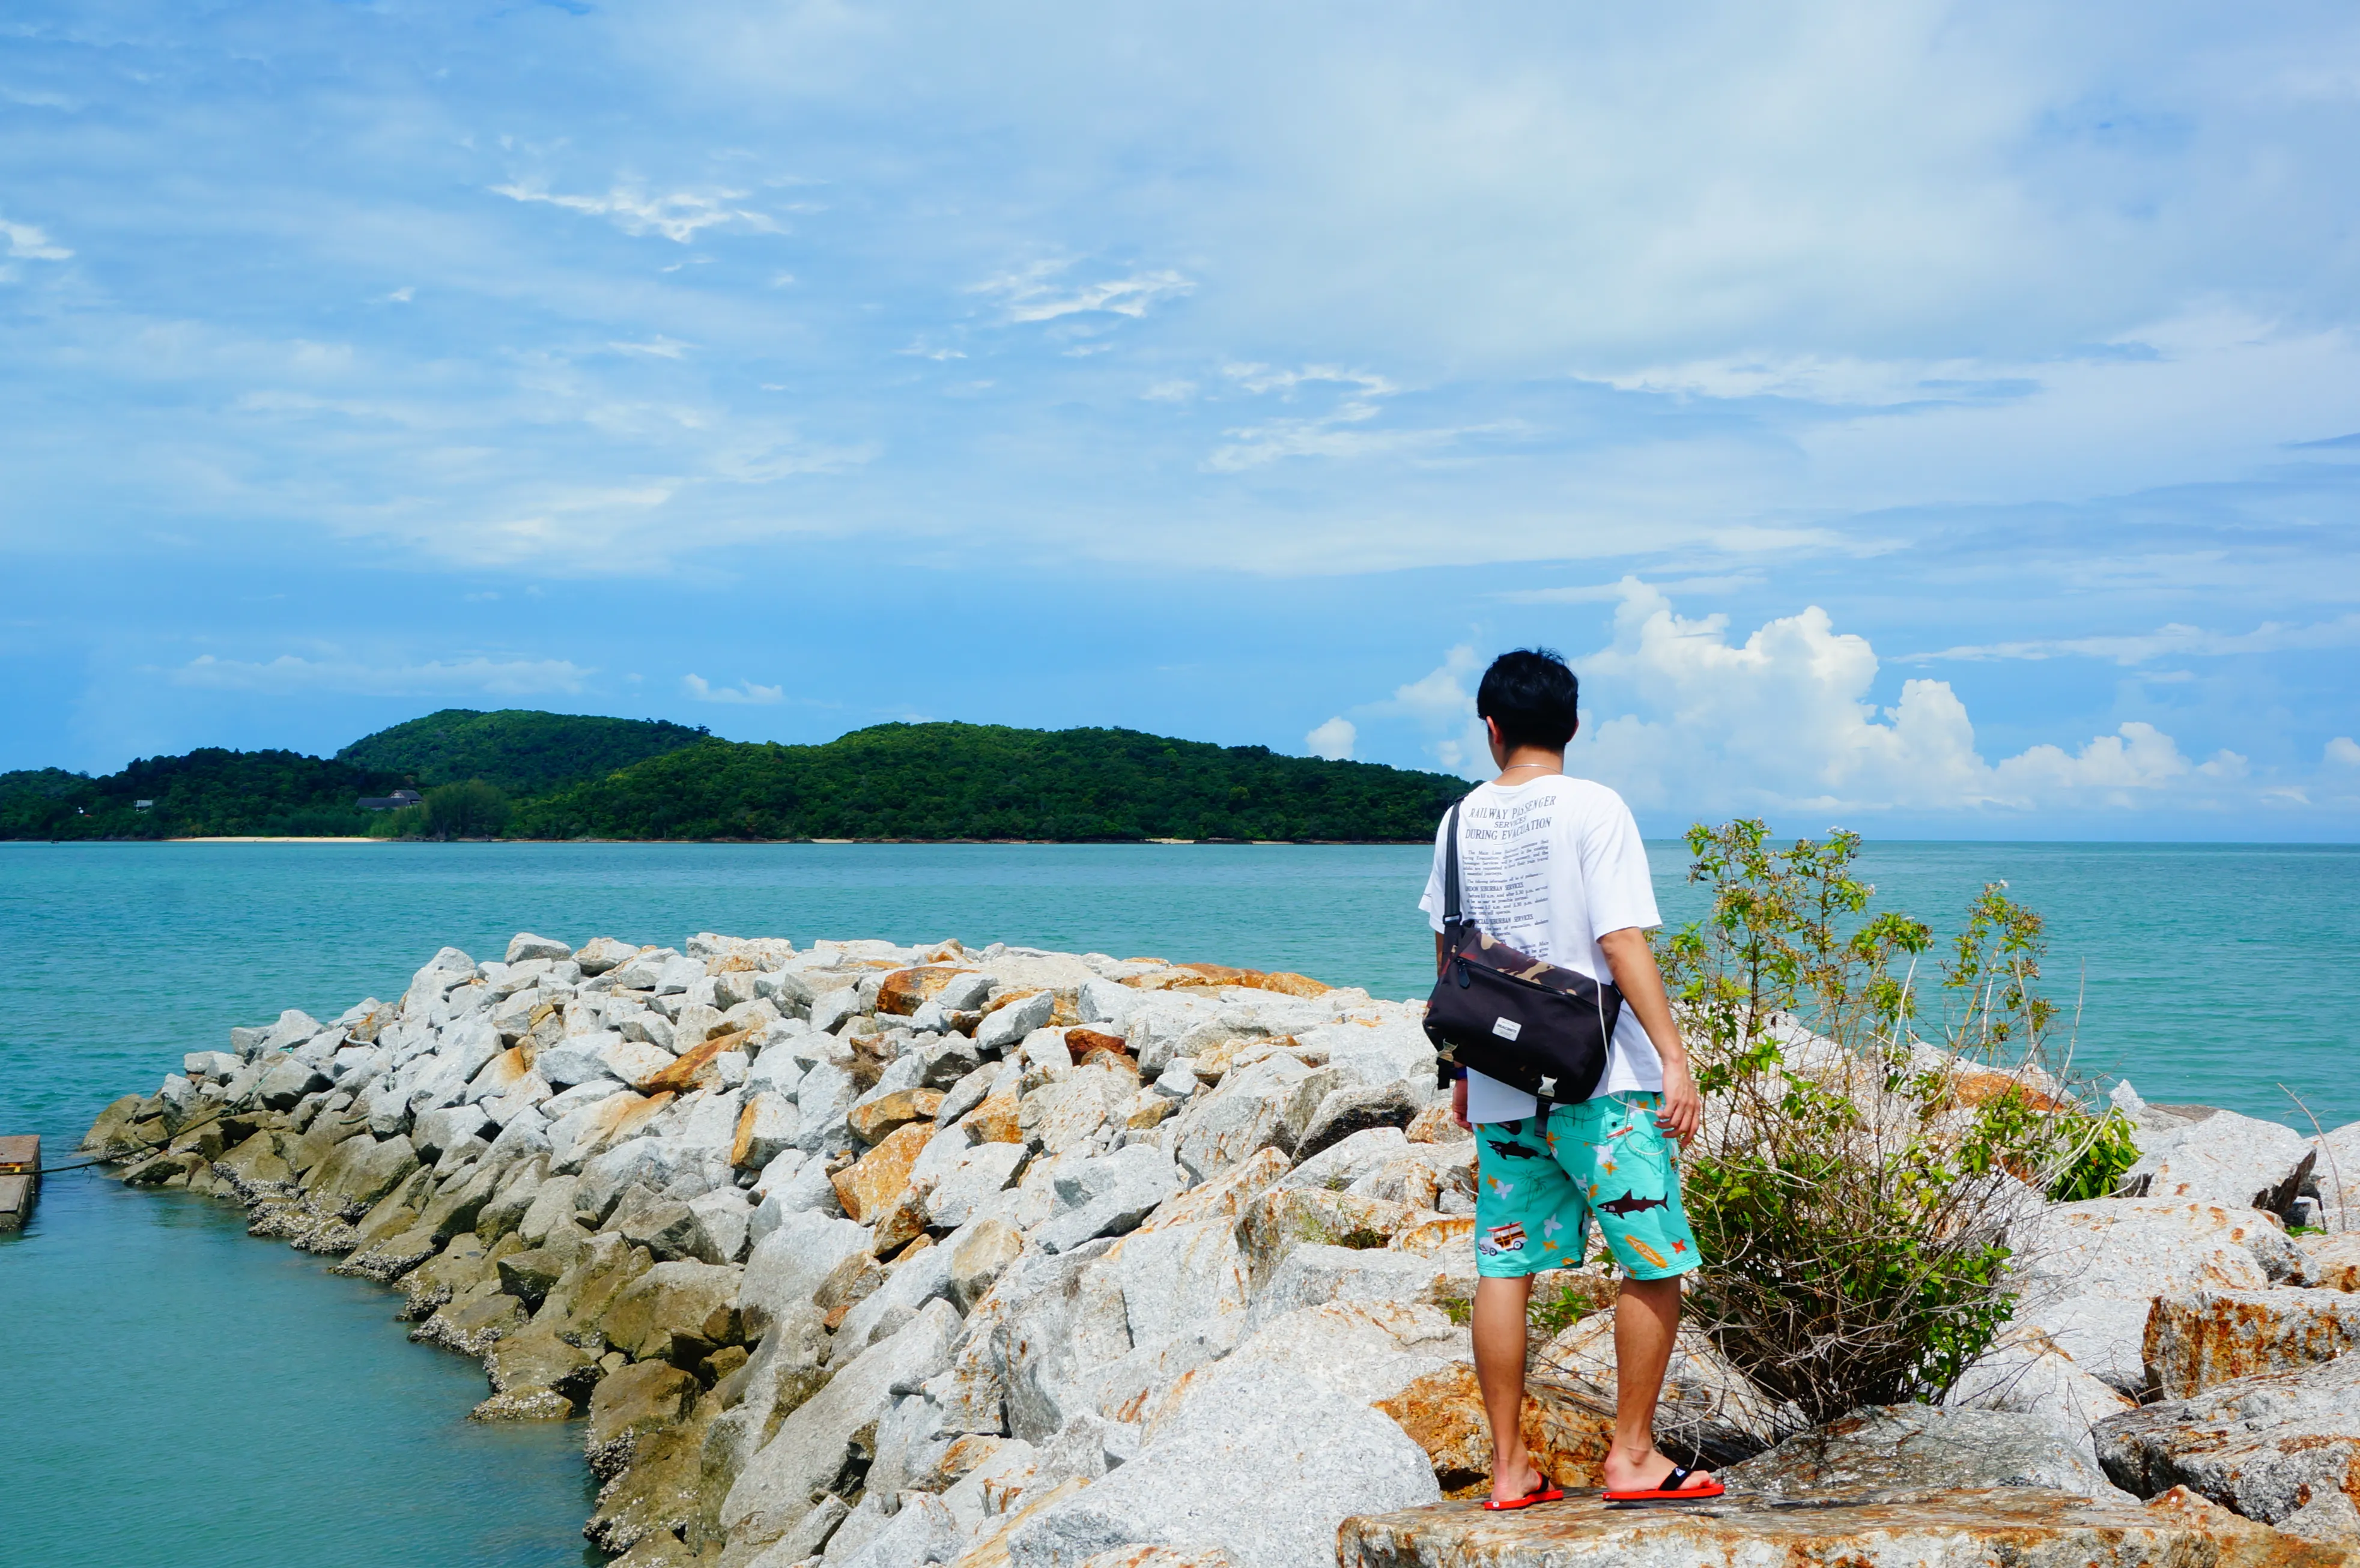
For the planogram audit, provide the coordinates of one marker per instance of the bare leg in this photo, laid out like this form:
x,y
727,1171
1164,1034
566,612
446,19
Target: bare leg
x,y
1646,1320
1499,1332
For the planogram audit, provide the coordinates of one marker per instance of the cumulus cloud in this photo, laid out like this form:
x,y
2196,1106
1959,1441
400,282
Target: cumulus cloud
x,y
1333,740
677,216
288,675
2345,750
1784,720
1040,293
1441,703
699,690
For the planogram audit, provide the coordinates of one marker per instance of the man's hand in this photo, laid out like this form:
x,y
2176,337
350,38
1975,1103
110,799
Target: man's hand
x,y
1459,1104
1683,1107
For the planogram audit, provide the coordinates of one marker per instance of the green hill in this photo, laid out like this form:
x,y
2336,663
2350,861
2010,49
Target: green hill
x,y
522,751
208,791
985,781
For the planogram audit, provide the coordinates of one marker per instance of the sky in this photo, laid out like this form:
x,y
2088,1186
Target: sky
x,y
1939,420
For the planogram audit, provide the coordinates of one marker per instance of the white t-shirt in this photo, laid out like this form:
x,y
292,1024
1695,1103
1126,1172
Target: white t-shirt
x,y
1548,867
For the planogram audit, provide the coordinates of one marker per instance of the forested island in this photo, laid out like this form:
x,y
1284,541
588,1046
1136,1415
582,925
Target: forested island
x,y
523,774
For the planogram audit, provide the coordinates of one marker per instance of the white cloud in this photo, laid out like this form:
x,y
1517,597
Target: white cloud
x,y
677,216
1783,721
2345,750
287,675
1607,593
2175,640
657,347
1333,740
1037,293
745,691
28,243
1441,705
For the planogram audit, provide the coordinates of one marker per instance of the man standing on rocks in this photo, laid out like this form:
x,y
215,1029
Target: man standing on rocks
x,y
1554,867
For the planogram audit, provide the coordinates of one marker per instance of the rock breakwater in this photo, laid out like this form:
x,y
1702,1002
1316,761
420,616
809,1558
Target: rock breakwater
x,y
890,1256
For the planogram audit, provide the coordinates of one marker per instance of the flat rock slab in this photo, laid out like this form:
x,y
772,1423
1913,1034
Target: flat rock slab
x,y
2017,1527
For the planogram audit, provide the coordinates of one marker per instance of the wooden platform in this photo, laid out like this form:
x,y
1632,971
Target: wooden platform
x,y
20,1179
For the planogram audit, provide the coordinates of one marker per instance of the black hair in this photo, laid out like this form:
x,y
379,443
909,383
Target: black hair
x,y
1533,696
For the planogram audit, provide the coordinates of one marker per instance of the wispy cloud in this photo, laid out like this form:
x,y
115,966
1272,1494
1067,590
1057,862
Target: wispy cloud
x,y
677,216
289,675
698,690
2175,640
1041,292
28,242
1608,592
656,348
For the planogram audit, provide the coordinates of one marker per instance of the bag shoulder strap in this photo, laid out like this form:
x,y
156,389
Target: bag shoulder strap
x,y
1450,870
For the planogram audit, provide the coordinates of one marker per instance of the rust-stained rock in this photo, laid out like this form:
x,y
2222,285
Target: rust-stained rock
x,y
1201,1556
2265,1446
1224,1197
1285,1218
1436,1125
1437,1237
1443,1413
874,1119
2197,1338
1213,977
1082,1041
2020,1527
2331,1262
904,991
867,1187
997,1120
693,1066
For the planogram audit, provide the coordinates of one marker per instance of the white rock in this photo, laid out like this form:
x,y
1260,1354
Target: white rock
x,y
632,1061
829,1009
1376,1052
588,1092
1314,1457
1107,1196
725,1215
1007,1028
1345,1162
775,1491
439,1130
923,1531
1105,1001
2223,1158
1311,1276
2088,1271
822,1099
790,1262
967,1190
2024,1371
525,945
667,1167
215,1064
1180,1280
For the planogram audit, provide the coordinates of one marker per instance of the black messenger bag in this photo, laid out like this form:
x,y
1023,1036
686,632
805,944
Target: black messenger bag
x,y
1508,1016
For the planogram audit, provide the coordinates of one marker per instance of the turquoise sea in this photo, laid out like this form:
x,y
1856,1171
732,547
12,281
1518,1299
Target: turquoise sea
x,y
178,1391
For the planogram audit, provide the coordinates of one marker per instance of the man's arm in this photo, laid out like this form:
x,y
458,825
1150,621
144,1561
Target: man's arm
x,y
1642,985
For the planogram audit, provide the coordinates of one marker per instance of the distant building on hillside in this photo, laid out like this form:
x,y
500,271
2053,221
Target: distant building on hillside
x,y
141,805
392,802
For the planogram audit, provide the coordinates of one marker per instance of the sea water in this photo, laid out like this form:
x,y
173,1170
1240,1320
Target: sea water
x,y
180,1391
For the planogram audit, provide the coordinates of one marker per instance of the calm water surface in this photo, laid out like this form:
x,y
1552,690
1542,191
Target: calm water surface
x,y
178,1389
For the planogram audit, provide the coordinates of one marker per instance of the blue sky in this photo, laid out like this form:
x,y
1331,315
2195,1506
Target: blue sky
x,y
1933,419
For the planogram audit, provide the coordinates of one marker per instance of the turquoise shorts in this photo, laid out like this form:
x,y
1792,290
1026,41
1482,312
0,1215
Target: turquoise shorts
x,y
1539,1182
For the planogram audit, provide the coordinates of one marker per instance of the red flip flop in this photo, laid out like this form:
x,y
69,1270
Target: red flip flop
x,y
1543,1493
1673,1490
